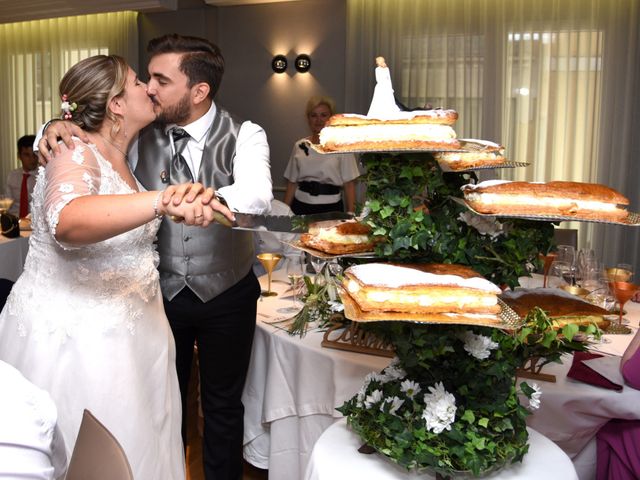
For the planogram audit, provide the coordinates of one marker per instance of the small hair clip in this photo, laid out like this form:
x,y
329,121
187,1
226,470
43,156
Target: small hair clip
x,y
67,107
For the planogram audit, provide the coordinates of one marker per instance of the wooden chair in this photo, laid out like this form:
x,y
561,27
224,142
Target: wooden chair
x,y
97,455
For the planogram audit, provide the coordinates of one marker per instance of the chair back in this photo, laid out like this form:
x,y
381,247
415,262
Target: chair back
x,y
97,455
566,236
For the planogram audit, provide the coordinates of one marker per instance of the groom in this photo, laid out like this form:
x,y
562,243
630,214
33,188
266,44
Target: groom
x,y
208,285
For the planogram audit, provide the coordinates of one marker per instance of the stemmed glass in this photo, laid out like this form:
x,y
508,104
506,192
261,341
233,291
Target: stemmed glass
x,y
317,263
547,260
269,262
295,271
623,291
5,203
567,255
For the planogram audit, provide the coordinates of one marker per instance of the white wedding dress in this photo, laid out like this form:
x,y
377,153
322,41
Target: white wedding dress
x,y
87,324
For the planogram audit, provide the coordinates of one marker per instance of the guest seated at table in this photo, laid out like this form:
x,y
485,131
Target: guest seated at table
x,y
618,442
20,182
316,181
31,447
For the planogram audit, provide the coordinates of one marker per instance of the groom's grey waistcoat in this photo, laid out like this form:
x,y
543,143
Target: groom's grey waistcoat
x,y
207,260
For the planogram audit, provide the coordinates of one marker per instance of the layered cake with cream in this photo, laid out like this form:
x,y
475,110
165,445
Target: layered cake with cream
x,y
476,153
583,201
383,287
417,130
339,237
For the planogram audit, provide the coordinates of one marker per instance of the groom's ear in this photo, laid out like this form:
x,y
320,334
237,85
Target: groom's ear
x,y
200,92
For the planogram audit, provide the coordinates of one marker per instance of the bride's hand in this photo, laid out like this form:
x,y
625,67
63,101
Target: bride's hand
x,y
200,210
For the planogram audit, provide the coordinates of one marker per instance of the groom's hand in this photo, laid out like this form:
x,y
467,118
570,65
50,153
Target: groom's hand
x,y
58,130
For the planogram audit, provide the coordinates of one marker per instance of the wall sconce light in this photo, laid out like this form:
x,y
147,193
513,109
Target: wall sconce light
x,y
279,63
303,63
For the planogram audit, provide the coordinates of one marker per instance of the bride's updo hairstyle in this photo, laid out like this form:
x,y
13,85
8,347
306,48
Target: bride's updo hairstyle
x,y
89,86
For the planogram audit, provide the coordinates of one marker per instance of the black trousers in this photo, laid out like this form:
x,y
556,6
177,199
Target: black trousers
x,y
223,329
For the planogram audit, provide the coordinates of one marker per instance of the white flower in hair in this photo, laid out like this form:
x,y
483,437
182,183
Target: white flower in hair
x,y
478,346
440,409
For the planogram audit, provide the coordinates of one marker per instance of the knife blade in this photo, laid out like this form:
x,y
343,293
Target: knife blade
x,y
283,223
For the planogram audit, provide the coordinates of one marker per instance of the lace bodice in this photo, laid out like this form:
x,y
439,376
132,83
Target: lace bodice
x,y
115,277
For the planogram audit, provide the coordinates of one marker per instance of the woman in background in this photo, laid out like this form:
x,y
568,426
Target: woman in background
x,y
317,181
85,320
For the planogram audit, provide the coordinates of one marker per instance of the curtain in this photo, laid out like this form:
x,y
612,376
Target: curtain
x,y
552,80
35,55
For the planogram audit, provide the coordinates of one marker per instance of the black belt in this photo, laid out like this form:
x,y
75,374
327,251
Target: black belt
x,y
317,188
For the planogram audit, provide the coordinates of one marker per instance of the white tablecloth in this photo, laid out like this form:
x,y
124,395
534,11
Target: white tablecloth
x,y
13,252
292,390
335,457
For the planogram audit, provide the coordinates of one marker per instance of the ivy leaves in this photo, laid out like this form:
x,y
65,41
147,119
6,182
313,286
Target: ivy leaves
x,y
409,199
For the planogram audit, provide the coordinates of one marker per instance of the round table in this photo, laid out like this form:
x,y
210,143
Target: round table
x,y
335,457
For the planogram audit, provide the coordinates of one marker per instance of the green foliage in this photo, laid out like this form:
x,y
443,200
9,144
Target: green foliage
x,y
410,204
489,430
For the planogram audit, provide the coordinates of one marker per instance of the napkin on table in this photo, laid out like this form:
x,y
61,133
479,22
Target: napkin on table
x,y
582,372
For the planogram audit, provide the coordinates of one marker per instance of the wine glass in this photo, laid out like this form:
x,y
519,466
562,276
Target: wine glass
x,y
295,271
5,203
623,291
317,263
567,254
269,262
562,272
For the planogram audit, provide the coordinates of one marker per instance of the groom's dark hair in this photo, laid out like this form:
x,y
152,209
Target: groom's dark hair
x,y
202,61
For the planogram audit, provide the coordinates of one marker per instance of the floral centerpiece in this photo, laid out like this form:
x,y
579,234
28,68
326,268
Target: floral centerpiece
x,y
449,403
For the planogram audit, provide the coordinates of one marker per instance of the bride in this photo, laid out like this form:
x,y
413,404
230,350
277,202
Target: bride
x,y
85,321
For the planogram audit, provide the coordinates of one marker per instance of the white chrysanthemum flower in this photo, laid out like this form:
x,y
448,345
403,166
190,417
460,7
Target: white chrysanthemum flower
x,y
485,225
534,401
336,307
394,371
395,402
375,397
410,387
478,346
440,409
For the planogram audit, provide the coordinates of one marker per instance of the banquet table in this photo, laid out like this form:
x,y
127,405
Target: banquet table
x,y
335,457
293,388
13,252
294,385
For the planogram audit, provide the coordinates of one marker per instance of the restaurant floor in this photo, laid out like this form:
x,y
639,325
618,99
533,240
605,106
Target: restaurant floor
x,y
194,444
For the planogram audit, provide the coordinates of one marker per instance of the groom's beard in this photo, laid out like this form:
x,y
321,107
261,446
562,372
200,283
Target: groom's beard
x,y
177,113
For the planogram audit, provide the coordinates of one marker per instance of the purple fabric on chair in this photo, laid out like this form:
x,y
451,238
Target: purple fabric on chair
x,y
579,371
618,444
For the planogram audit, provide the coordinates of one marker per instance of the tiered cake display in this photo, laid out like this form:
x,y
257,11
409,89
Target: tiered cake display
x,y
449,403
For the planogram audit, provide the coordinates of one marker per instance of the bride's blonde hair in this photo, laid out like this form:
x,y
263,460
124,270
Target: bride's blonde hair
x,y
91,84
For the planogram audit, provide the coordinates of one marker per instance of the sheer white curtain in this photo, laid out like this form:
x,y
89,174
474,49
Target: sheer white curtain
x,y
34,57
552,80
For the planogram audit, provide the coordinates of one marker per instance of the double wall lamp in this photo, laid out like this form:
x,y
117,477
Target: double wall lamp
x,y
303,63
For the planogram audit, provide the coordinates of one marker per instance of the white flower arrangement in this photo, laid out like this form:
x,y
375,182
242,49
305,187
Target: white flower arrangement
x,y
534,399
410,387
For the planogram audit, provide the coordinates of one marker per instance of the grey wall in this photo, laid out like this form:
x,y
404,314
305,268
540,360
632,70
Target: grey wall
x,y
249,37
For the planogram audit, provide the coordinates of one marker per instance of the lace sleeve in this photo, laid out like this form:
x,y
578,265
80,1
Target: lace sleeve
x,y
72,174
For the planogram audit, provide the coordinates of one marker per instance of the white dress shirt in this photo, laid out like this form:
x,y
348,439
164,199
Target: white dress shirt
x,y
14,187
31,447
249,193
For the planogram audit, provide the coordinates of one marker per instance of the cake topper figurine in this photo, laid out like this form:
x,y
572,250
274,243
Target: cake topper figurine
x,y
383,103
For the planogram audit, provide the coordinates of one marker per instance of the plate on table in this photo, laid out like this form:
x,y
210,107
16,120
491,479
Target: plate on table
x,y
322,151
